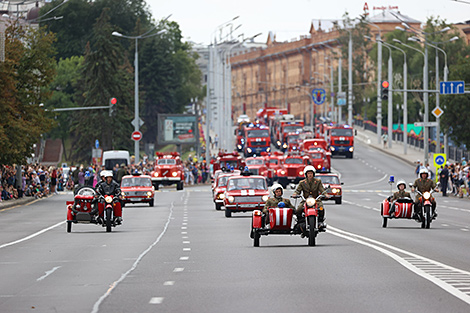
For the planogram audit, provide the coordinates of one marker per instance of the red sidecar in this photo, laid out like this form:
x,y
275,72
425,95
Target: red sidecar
x,y
403,209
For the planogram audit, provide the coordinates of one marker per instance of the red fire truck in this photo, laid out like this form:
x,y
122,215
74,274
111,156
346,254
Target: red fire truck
x,y
257,140
341,140
228,160
168,170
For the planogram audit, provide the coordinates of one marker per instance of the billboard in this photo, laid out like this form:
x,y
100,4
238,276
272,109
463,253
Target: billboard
x,y
176,129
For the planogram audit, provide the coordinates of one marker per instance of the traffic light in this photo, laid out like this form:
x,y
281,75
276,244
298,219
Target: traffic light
x,y
384,90
112,106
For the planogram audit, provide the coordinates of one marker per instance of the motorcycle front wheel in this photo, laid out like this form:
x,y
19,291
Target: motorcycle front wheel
x,y
428,216
109,213
256,238
312,234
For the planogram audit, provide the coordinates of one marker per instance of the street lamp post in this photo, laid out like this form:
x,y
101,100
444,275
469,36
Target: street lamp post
x,y
405,100
136,83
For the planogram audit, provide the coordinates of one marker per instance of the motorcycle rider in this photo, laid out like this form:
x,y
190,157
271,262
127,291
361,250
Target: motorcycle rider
x,y
400,194
277,191
423,184
313,187
110,187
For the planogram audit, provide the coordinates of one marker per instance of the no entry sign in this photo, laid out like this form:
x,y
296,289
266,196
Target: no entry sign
x,y
136,135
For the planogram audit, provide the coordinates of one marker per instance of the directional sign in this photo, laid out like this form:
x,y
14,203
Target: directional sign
x,y
136,135
341,101
452,88
97,144
437,112
428,124
140,123
318,96
439,159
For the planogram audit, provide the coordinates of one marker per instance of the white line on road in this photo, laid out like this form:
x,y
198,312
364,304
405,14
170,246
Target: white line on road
x,y
169,283
369,183
31,236
184,258
96,306
417,264
178,269
48,273
156,300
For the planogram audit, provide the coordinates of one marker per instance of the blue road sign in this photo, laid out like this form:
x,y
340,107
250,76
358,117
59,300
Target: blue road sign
x,y
439,159
452,88
341,101
97,144
318,96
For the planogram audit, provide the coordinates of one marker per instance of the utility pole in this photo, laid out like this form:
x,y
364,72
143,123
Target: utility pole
x,y
350,80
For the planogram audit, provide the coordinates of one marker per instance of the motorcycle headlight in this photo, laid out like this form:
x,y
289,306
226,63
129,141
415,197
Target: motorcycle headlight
x,y
311,202
265,198
108,199
149,193
174,174
231,199
427,195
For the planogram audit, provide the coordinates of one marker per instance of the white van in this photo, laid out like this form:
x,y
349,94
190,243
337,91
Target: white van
x,y
113,157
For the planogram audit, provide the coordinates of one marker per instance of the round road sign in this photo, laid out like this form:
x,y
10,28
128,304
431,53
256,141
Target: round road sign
x,y
136,135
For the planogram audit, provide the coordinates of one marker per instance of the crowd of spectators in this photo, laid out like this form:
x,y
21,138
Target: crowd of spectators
x,y
457,178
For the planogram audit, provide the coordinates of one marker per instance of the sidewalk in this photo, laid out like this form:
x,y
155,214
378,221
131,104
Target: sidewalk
x,y
6,204
412,155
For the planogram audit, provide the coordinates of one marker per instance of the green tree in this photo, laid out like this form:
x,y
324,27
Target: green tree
x,y
106,73
27,71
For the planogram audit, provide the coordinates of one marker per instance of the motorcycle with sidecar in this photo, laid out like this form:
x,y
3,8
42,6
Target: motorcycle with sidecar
x,y
82,209
283,221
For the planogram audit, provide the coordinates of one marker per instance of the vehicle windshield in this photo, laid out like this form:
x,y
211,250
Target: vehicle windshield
x,y
292,129
246,183
166,162
230,163
254,162
273,161
222,181
294,161
314,148
293,139
346,132
329,179
136,182
258,133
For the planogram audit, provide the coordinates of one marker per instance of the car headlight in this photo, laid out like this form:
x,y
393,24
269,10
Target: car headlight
x,y
332,148
319,166
123,194
283,172
239,147
149,193
351,149
278,143
108,199
265,198
334,190
301,173
231,199
427,195
221,196
155,174
269,149
310,202
249,150
284,145
174,174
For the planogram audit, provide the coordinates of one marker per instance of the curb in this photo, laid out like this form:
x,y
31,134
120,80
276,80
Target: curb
x,y
6,204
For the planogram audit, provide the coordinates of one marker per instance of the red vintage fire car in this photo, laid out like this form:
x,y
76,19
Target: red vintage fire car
x,y
319,159
335,192
257,166
168,170
293,169
245,193
220,186
137,189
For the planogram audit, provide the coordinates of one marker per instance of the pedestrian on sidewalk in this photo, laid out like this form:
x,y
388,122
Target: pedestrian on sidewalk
x,y
385,140
444,178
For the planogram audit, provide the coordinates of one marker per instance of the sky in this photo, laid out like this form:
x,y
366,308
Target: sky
x,y
200,20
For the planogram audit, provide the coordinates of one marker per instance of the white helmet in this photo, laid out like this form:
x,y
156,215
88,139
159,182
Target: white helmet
x,y
276,187
309,168
401,182
423,171
107,174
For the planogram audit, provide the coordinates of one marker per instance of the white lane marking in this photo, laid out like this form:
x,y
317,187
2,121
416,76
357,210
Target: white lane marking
x,y
415,263
184,258
178,269
156,300
186,249
184,227
186,242
184,233
96,306
370,183
184,224
169,283
463,229
48,273
31,236
185,237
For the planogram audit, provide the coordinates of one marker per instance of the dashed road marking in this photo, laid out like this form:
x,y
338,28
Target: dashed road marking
x,y
186,242
184,258
178,269
48,273
156,300
186,249
169,283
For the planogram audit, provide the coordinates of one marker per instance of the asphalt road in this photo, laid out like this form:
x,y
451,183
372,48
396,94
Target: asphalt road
x,y
184,256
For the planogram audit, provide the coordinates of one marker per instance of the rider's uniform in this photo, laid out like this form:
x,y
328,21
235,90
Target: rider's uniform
x,y
400,194
308,188
423,185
